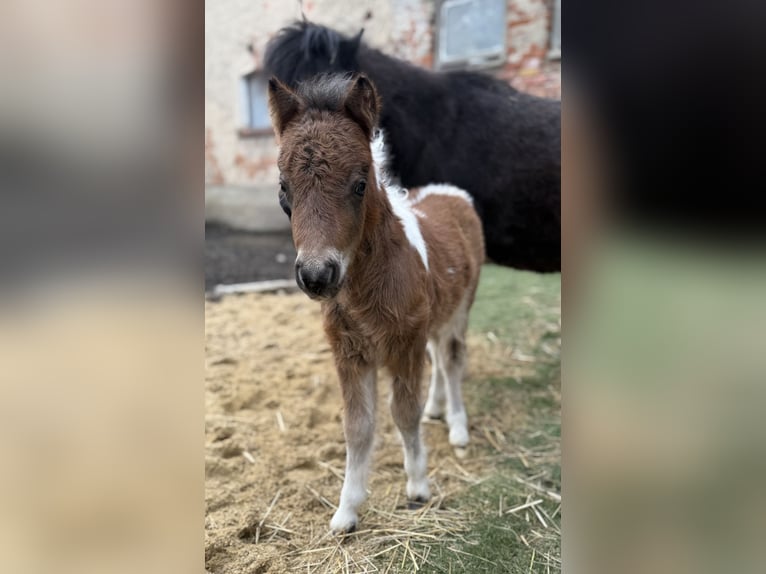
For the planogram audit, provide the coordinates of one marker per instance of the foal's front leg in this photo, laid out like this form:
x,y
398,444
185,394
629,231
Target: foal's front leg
x,y
359,395
406,410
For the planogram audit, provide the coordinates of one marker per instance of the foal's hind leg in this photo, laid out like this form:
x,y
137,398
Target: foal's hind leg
x,y
457,419
434,408
452,352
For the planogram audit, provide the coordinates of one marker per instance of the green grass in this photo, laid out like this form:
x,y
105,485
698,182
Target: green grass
x,y
495,543
509,301
521,310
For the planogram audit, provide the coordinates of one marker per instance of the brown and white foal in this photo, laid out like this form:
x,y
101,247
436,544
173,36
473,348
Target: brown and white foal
x,y
395,272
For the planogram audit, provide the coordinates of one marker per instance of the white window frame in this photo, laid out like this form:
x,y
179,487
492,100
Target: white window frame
x,y
555,51
246,120
486,59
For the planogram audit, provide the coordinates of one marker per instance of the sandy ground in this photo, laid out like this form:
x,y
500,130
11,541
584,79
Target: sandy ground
x,y
274,441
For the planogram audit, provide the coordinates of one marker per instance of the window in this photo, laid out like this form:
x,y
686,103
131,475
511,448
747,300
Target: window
x,y
254,104
555,52
471,33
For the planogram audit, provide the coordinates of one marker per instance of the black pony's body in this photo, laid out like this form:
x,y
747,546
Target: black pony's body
x,y
462,128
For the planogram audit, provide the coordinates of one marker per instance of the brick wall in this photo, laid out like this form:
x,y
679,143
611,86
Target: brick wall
x,y
528,35
236,32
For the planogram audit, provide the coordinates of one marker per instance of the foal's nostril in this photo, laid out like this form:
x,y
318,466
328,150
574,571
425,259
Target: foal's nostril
x,y
316,278
332,269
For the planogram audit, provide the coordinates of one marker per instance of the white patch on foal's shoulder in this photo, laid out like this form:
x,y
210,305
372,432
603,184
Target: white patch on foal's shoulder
x,y
398,197
443,189
404,212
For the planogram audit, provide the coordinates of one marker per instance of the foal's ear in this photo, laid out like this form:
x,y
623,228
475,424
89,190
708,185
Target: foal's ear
x,y
283,105
362,104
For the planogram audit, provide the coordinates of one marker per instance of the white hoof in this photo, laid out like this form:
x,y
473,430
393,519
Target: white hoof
x,y
343,521
458,436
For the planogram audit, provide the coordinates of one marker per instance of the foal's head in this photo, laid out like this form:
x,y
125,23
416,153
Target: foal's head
x,y
324,130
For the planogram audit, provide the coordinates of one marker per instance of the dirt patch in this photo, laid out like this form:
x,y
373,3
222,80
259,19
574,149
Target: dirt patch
x,y
234,256
275,451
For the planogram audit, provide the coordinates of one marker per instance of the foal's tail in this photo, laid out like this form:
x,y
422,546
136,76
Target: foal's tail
x,y
303,49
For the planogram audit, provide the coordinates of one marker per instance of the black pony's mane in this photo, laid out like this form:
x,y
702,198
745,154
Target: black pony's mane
x,y
303,49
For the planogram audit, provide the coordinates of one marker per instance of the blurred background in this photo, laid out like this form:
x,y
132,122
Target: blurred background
x,y
246,239
101,333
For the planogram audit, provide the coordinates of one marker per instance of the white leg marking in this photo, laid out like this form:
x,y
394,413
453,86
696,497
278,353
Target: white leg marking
x,y
415,454
452,347
359,428
435,403
416,466
456,416
452,371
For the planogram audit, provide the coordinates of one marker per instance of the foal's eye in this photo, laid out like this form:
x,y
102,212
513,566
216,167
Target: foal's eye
x,y
283,203
285,207
360,187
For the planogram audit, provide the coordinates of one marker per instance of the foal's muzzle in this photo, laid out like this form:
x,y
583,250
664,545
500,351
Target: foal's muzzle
x,y
318,278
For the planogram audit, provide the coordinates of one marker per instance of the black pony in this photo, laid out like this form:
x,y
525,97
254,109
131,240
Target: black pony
x,y
463,128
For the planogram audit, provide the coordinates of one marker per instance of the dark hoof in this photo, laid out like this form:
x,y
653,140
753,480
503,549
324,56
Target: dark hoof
x,y
431,420
346,531
416,504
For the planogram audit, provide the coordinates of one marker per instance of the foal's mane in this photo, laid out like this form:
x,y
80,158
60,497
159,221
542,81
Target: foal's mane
x,y
380,159
325,91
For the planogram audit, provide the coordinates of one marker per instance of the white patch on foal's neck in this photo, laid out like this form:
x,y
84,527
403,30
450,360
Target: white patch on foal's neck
x,y
397,196
443,189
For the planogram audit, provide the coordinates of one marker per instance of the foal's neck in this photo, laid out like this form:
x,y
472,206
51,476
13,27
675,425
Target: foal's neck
x,y
383,239
384,282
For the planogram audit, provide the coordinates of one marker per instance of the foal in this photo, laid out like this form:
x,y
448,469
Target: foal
x,y
393,273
